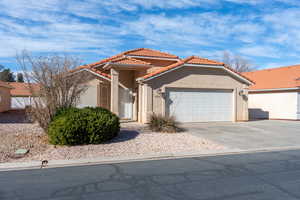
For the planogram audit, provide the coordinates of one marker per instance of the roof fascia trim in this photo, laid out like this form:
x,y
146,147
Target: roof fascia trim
x,y
274,89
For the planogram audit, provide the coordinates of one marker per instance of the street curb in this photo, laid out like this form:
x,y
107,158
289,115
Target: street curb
x,y
124,159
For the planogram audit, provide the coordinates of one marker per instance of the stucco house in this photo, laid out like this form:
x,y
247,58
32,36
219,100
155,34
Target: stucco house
x,y
275,94
22,94
140,82
4,96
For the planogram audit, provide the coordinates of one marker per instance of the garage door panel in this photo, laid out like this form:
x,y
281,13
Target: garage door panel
x,y
190,105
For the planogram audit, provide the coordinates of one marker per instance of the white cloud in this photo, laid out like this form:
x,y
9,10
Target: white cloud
x,y
257,2
61,26
284,26
196,29
260,51
32,25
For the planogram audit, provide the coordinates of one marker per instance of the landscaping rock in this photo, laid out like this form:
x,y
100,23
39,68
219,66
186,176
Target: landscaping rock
x,y
21,152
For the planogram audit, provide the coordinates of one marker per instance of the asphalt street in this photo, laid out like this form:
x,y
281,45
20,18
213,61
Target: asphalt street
x,y
268,175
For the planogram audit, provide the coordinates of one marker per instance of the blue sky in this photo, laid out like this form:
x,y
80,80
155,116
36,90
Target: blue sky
x,y
264,31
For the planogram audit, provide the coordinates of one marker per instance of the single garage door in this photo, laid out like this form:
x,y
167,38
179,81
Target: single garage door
x,y
199,105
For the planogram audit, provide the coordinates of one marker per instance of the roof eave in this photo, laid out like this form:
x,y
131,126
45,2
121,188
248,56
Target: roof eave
x,y
215,66
91,71
274,89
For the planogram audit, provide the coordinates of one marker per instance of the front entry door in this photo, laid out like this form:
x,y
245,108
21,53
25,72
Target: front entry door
x,y
125,103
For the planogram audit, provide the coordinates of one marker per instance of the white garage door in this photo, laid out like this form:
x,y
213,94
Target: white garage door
x,y
195,105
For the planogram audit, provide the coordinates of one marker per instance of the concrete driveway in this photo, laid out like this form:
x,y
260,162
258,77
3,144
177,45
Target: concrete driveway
x,y
249,135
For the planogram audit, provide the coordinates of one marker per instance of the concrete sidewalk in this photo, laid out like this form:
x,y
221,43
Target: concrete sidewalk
x,y
110,160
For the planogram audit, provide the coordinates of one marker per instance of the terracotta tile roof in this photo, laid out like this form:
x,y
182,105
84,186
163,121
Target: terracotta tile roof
x,y
275,78
193,60
129,61
92,69
3,84
23,89
149,53
164,69
136,52
203,61
100,72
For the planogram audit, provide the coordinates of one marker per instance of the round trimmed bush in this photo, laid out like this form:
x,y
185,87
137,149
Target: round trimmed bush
x,y
75,126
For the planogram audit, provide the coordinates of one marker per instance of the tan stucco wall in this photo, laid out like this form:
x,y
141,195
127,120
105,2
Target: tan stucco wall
x,y
195,77
5,99
91,96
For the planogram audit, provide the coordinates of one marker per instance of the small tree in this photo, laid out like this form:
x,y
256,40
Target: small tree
x,y
58,87
7,76
20,78
237,62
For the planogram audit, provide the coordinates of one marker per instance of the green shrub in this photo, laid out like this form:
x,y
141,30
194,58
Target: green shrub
x,y
159,123
74,126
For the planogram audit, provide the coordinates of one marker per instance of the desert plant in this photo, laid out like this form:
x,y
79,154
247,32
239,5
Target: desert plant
x,y
159,123
52,85
75,126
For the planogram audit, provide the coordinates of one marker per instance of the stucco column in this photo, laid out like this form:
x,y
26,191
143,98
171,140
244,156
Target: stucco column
x,y
135,106
245,98
114,91
235,96
140,102
147,103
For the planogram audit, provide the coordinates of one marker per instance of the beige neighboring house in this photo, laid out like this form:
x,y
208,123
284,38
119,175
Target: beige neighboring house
x,y
138,83
4,96
21,94
275,94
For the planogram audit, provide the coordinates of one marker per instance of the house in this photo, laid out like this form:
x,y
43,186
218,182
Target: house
x,y
275,94
4,96
21,94
138,83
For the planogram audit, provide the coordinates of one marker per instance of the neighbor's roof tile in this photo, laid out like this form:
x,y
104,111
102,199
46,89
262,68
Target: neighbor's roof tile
x,y
275,78
23,89
3,84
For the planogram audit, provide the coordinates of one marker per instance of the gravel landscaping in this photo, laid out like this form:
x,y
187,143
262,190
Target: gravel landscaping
x,y
133,139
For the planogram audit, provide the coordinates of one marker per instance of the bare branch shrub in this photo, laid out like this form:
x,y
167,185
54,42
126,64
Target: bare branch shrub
x,y
52,84
237,62
159,123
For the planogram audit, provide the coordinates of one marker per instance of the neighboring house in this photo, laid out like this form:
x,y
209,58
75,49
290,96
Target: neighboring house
x,y
21,94
275,94
138,83
4,96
